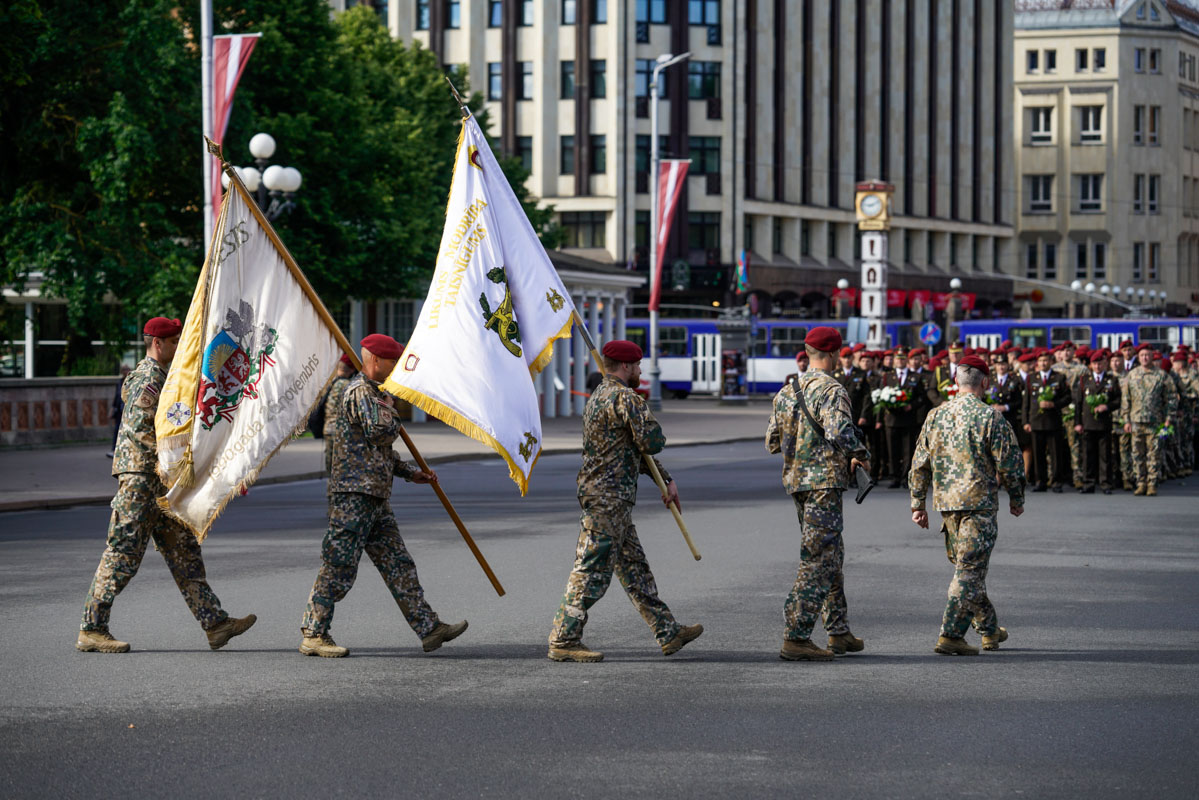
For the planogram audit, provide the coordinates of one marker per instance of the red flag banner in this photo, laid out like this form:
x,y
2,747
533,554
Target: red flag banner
x,y
671,174
850,295
230,54
896,298
923,295
941,300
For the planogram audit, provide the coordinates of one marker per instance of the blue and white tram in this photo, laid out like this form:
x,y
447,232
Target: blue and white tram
x,y
1165,333
689,351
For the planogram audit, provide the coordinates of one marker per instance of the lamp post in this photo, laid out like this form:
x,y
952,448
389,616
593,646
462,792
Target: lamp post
x,y
839,310
280,182
655,267
953,308
1075,286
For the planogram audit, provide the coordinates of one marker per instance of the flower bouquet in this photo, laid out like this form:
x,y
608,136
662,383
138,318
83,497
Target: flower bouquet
x,y
991,396
948,390
889,398
1068,415
1165,431
1044,396
1096,400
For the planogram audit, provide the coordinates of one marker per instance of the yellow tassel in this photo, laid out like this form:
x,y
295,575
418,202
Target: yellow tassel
x,y
187,471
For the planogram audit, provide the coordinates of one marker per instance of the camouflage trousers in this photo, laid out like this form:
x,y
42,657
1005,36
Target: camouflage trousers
x,y
969,538
819,584
1074,443
358,523
1126,469
1146,454
608,543
136,519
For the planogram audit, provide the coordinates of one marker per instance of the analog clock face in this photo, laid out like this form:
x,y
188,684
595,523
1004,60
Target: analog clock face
x,y
871,205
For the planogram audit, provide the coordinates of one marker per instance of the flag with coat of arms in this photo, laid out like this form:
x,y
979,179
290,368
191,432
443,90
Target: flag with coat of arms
x,y
494,309
256,353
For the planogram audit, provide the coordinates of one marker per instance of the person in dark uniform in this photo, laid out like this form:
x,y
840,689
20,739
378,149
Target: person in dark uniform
x,y
1093,423
853,380
1043,419
902,424
1009,399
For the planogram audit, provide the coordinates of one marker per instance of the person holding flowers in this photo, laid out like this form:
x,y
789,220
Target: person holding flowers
x,y
1150,403
1096,398
903,409
1047,395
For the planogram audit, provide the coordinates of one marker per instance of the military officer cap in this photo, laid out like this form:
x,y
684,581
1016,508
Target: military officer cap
x,y
956,347
823,338
846,352
973,361
383,346
162,327
622,350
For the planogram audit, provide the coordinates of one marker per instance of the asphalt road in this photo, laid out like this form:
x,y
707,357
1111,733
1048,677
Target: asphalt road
x,y
1094,695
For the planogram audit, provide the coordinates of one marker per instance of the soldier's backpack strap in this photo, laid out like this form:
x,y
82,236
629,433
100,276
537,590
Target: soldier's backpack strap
x,y
865,482
803,406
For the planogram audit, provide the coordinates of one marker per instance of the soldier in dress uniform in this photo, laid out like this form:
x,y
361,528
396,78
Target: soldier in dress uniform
x,y
1150,402
853,381
360,515
1043,419
902,424
1073,369
944,374
618,431
136,517
965,451
876,439
816,468
1093,423
337,390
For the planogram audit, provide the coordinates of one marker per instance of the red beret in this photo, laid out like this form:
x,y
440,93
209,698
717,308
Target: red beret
x,y
823,338
1067,343
1098,355
1006,343
1144,346
802,354
345,359
1126,343
973,361
163,327
942,353
622,350
934,363
846,352
1178,355
1166,364
383,346
858,347
1027,358
916,351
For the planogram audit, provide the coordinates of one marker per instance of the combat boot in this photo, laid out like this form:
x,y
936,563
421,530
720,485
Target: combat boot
x,y
1151,490
219,636
99,642
322,646
687,633
804,650
954,647
575,651
992,641
843,643
1140,489
1128,487
441,634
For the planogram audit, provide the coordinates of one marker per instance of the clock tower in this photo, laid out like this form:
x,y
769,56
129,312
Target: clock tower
x,y
872,204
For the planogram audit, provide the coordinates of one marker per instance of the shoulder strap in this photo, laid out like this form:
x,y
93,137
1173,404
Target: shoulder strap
x,y
803,406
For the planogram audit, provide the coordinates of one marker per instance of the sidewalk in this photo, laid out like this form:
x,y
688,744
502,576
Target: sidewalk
x,y
79,475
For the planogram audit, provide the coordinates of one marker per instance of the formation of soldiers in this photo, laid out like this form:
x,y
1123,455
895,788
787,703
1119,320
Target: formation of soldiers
x,y
953,427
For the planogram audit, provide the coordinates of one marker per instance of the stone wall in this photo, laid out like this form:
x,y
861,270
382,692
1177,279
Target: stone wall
x,y
43,411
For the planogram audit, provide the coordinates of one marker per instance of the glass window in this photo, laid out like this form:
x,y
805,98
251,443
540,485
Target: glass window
x,y
495,13
703,12
1100,268
1051,61
1091,124
1138,261
1031,62
495,83
1099,59
453,13
1080,59
642,155
786,342
703,79
566,155
652,11
1155,60
641,229
1138,194
1041,125
422,15
1040,193
805,238
776,235
703,230
1151,198
599,12
1155,113
1155,253
599,153
1050,261
526,80
584,228
568,80
705,155
568,12
599,78
1138,124
1138,59
1030,262
672,341
1089,188
524,151
645,71
1080,260
526,13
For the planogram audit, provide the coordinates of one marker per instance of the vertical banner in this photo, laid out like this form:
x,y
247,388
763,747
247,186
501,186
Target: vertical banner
x,y
671,174
230,54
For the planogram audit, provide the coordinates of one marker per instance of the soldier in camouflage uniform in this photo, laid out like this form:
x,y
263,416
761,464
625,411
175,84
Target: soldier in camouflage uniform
x,y
136,517
1128,365
815,474
337,390
966,449
1074,370
360,515
618,431
1188,403
1172,445
1150,401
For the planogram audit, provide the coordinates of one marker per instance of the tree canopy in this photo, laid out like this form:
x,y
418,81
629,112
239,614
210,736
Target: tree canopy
x,y
101,174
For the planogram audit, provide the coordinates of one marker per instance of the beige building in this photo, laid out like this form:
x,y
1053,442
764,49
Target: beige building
x,y
1107,151
782,107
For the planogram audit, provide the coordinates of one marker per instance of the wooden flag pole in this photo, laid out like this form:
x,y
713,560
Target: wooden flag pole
x,y
649,460
327,318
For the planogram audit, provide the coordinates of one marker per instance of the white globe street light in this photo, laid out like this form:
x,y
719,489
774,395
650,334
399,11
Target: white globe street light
x,y
955,284
1130,291
262,145
843,284
1104,289
272,178
279,181
1076,285
1141,293
1090,288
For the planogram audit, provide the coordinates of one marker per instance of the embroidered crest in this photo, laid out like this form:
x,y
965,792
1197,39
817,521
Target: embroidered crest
x,y
503,319
178,414
234,362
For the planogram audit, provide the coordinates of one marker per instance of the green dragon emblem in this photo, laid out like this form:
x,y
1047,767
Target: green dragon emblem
x,y
503,319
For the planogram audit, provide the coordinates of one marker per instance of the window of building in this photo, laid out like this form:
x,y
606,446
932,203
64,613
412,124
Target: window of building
x,y
805,238
643,154
567,80
566,155
599,78
1138,194
1089,188
1138,59
599,12
1030,262
703,230
1090,128
1080,59
776,235
705,13
1050,261
495,82
1080,260
1138,261
641,229
453,13
1151,197
1031,60
703,79
1100,267
1153,15
705,154
495,13
1151,268
584,228
651,11
1041,125
524,151
645,71
1051,61
397,319
1155,113
1099,59
568,12
526,80
1155,60
526,13
422,15
1040,193
599,153
1138,124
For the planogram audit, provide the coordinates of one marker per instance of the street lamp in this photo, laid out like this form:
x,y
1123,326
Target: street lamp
x,y
281,182
842,285
655,267
952,308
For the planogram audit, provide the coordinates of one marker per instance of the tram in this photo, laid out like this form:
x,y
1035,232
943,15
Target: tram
x,y
1164,333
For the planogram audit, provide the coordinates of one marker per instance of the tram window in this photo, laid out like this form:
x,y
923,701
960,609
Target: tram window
x,y
1027,337
757,345
1188,335
786,342
1079,335
672,341
636,336
1156,335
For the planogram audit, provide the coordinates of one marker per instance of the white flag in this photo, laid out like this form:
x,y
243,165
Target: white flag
x,y
254,357
495,307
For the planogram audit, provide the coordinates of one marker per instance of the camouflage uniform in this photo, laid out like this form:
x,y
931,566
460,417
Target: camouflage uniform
x,y
1150,400
360,515
815,475
617,429
337,390
136,517
1172,449
1074,371
1125,439
1187,417
965,451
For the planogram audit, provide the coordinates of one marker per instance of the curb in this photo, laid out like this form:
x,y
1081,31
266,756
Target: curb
x,y
70,502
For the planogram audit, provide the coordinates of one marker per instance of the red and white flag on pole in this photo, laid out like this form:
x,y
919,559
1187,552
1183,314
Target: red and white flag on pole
x,y
671,173
230,54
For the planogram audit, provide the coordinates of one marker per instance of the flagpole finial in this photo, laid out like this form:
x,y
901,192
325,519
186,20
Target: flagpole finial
x,y
214,149
458,98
